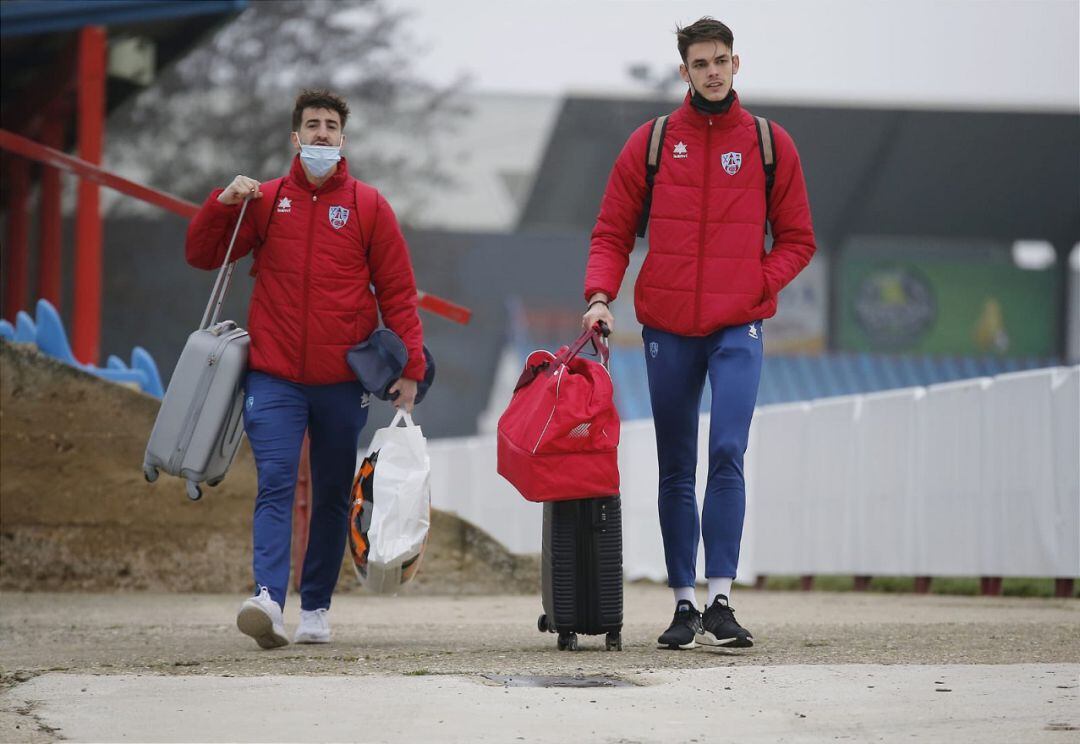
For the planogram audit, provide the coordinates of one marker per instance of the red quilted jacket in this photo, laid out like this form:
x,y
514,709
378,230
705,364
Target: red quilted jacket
x,y
706,267
318,253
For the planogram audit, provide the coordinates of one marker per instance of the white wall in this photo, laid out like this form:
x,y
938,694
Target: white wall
x,y
978,478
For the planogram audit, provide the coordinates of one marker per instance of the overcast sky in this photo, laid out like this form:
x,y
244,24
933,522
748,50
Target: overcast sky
x,y
950,53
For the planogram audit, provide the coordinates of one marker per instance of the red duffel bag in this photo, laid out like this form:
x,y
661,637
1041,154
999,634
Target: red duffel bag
x,y
559,437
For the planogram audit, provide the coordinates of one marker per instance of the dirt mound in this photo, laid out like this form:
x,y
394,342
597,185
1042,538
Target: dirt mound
x,y
76,514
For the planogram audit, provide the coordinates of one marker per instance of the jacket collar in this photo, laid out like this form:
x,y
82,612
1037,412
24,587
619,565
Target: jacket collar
x,y
296,174
696,118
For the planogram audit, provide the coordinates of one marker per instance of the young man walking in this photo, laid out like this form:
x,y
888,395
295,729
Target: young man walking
x,y
321,240
703,290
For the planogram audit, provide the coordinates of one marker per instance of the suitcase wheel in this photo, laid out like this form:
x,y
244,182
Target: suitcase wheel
x,y
543,626
150,473
193,491
613,642
568,642
213,483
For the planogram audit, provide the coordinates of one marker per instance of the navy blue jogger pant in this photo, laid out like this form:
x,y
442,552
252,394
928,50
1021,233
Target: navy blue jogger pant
x,y
677,367
276,414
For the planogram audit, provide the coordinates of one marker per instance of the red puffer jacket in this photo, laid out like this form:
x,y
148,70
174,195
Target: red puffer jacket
x,y
318,251
707,267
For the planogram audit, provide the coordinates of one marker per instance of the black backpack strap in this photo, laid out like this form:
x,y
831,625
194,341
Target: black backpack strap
x,y
768,160
652,166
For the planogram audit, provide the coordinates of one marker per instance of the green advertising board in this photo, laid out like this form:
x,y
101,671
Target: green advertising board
x,y
946,306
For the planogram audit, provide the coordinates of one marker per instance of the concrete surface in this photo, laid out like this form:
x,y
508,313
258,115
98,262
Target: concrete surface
x,y
1023,702
173,667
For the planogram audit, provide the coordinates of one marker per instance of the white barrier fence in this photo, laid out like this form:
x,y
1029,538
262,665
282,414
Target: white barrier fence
x,y
972,478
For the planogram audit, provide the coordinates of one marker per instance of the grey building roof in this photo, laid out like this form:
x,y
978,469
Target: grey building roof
x,y
1001,175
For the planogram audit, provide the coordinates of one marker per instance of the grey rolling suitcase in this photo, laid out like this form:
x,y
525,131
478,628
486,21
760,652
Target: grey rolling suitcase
x,y
200,423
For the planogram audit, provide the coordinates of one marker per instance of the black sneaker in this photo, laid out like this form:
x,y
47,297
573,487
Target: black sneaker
x,y
720,628
684,627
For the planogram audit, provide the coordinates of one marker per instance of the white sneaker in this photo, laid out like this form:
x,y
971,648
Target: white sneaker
x,y
260,617
314,627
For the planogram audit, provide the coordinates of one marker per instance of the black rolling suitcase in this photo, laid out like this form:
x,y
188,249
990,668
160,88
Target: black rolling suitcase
x,y
581,571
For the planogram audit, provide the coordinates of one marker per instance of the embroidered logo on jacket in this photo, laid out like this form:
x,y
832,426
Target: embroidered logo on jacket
x,y
284,205
731,161
679,151
338,217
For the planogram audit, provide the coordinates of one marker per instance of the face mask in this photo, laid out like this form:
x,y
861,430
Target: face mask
x,y
319,159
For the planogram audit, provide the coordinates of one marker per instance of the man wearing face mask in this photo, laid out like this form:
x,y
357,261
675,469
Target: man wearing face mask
x,y
329,257
704,288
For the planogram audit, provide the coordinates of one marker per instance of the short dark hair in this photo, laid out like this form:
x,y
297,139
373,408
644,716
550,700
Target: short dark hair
x,y
705,28
319,98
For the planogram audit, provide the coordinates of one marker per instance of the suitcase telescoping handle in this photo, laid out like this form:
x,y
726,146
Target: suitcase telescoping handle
x,y
224,277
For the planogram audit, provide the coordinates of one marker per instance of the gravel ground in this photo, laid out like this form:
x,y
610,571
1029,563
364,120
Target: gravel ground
x,y
194,634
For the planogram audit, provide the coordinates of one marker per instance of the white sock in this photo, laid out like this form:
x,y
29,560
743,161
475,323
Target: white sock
x,y
684,594
720,585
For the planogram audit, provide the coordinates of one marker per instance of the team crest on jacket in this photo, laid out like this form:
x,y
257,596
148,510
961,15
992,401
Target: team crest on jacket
x,y
679,151
338,217
731,161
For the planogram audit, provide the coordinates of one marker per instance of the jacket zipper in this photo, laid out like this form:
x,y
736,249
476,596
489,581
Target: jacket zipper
x,y
307,283
701,231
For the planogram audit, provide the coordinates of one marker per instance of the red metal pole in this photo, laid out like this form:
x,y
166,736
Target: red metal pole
x,y
18,219
91,123
49,217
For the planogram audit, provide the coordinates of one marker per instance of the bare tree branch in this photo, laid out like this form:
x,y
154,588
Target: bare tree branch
x,y
225,108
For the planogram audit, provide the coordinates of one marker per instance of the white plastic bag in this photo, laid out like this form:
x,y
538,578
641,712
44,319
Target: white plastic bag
x,y
391,510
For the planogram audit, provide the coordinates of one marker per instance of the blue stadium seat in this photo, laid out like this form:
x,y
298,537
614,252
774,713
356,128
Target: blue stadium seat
x,y
768,391
143,361
51,337
52,340
25,329
848,374
969,368
787,380
805,380
909,372
930,370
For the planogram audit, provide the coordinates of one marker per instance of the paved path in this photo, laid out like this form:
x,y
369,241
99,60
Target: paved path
x,y
141,667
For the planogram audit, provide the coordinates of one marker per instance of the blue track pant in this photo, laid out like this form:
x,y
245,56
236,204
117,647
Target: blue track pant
x,y
677,367
276,414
